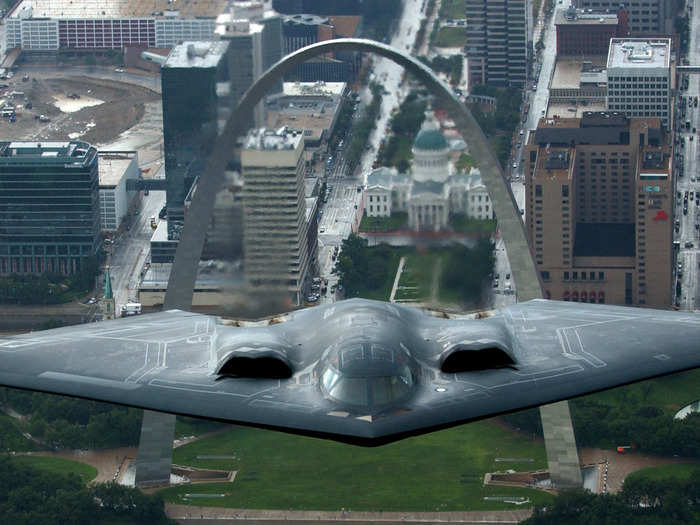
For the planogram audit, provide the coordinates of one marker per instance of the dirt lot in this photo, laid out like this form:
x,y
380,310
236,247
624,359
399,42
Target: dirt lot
x,y
120,107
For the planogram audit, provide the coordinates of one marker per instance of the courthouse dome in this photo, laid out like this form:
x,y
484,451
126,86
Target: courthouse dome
x,y
429,136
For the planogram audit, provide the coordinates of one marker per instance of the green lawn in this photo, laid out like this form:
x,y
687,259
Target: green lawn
x,y
679,471
383,292
396,221
58,466
451,37
189,426
439,471
453,9
464,224
418,272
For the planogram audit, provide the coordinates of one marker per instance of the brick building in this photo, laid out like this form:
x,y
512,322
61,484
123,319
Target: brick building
x,y
583,32
599,198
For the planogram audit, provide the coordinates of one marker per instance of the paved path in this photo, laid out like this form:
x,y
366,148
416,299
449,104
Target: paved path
x,y
200,515
399,270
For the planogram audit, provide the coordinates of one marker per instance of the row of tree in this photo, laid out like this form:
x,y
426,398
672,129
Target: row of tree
x,y
499,125
63,422
362,268
405,124
29,495
451,66
641,502
468,270
647,427
363,127
49,288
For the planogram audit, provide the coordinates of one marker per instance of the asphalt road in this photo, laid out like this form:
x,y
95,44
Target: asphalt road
x,y
687,152
344,205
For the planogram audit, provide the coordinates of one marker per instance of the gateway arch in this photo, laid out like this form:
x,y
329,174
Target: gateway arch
x,y
155,448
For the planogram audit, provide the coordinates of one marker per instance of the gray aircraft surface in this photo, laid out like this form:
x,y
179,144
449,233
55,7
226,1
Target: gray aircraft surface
x,y
358,371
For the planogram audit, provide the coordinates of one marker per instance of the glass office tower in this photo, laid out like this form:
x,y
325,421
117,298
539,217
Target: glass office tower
x,y
49,206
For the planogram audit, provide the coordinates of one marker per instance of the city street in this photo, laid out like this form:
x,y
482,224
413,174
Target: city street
x,y
344,204
538,105
688,149
129,253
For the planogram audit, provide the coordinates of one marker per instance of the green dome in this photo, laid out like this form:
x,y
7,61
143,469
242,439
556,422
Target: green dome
x,y
430,139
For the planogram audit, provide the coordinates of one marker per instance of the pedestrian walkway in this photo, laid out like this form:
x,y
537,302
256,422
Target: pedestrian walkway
x,y
399,270
191,514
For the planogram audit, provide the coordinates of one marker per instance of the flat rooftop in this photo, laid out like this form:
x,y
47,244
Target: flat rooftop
x,y
639,53
111,169
564,110
269,140
197,54
308,89
118,8
45,152
573,16
570,73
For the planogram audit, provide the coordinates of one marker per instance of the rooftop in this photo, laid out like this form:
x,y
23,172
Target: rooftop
x,y
639,53
573,73
557,160
573,16
305,19
118,8
72,152
319,88
654,159
345,25
227,26
569,110
265,139
197,54
112,167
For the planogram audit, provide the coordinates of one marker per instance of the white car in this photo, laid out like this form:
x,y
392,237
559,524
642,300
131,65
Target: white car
x,y
515,165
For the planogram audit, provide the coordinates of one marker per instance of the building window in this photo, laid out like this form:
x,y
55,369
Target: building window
x,y
538,190
545,276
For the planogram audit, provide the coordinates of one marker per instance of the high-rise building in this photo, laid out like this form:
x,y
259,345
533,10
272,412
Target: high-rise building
x,y
278,245
599,198
49,206
255,41
196,97
320,7
588,33
497,36
646,17
639,77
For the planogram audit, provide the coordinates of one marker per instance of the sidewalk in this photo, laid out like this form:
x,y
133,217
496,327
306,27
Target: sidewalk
x,y
192,514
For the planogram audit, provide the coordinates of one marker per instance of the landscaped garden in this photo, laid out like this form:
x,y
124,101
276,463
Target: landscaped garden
x,y
439,471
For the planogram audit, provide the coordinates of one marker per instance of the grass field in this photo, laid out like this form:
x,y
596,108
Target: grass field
x,y
451,37
397,221
418,273
439,471
58,466
453,9
679,471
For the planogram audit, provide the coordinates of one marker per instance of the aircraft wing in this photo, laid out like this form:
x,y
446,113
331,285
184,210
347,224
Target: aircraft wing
x,y
358,371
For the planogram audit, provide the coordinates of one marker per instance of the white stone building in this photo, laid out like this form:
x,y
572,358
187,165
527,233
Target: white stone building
x,y
115,169
431,193
639,77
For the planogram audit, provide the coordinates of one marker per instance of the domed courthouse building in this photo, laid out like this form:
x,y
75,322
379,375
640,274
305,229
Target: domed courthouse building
x,y
431,192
